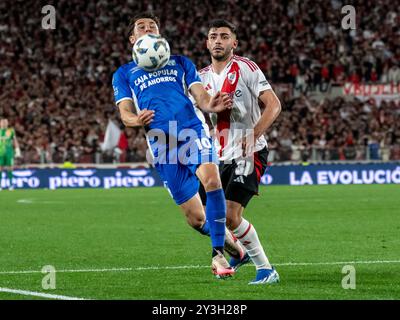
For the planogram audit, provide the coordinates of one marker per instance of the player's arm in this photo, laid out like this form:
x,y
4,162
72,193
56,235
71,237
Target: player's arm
x,y
217,103
260,87
124,101
129,119
16,146
204,101
272,110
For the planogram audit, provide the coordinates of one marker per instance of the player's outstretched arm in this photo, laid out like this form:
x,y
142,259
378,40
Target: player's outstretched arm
x,y
16,146
205,102
129,119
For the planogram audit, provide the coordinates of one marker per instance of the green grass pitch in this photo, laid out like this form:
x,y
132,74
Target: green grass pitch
x,y
309,234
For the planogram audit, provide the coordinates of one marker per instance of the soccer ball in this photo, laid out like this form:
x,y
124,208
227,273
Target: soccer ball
x,y
151,52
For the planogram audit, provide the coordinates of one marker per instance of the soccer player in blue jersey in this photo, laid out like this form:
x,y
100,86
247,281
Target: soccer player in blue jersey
x,y
167,114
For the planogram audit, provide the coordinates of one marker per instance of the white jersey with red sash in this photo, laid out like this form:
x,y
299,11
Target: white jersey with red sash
x,y
244,81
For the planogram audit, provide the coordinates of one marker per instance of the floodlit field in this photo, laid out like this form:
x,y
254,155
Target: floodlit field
x,y
135,244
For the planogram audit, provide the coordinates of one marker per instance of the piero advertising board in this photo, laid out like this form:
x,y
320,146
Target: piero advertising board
x,y
324,174
83,178
297,175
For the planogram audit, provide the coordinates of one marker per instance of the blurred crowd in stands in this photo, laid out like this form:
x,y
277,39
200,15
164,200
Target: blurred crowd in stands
x,y
55,85
336,130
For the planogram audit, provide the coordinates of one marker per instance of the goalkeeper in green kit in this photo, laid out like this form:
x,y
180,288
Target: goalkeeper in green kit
x,y
8,141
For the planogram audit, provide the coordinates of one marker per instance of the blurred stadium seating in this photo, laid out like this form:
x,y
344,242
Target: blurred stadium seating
x,y
55,85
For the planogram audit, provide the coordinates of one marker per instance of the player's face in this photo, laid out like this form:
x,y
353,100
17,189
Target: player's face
x,y
142,27
221,42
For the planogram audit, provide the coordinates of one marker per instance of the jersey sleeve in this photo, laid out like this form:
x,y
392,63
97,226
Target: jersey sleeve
x,y
262,83
191,75
257,81
120,83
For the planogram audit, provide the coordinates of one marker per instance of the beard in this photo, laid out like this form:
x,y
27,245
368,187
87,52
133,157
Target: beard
x,y
221,55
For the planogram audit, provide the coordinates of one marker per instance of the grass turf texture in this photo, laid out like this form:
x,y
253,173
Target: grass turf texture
x,y
132,228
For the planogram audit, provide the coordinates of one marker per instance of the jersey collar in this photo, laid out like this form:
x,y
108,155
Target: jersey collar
x,y
225,68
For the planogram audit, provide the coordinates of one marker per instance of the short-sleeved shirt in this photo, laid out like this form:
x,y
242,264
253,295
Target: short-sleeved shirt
x,y
165,91
244,80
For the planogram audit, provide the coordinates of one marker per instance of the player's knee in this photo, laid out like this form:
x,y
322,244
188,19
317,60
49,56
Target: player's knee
x,y
194,218
212,183
196,222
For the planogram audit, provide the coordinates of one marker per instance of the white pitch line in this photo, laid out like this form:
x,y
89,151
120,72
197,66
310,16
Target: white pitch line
x,y
286,264
39,294
34,201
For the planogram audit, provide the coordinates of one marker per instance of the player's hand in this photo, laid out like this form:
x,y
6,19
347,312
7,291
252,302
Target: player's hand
x,y
145,117
220,102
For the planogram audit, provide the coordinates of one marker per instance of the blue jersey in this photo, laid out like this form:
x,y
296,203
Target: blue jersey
x,y
165,91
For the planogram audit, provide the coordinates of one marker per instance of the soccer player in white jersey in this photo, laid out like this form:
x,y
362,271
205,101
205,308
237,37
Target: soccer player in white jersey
x,y
239,137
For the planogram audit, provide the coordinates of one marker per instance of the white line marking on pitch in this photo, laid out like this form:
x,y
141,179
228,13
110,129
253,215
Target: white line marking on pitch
x,y
288,264
38,294
35,201
29,201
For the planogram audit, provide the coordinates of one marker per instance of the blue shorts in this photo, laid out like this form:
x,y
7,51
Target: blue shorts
x,y
176,163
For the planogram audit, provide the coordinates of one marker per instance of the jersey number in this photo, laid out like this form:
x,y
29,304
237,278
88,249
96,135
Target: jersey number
x,y
244,168
203,143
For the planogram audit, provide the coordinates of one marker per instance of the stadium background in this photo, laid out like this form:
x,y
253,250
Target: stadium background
x,y
56,84
340,95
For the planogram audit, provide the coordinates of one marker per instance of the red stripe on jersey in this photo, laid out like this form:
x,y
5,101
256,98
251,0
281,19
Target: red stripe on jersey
x,y
253,67
224,117
248,64
246,232
249,61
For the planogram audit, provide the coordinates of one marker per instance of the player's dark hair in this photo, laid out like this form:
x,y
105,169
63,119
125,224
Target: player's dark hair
x,y
142,15
222,23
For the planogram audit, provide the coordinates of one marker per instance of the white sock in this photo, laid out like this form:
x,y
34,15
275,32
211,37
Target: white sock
x,y
248,237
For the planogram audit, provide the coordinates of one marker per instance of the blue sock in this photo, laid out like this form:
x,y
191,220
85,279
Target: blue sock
x,y
216,218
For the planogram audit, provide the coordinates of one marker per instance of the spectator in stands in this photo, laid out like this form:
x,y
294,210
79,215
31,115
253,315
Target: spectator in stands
x,y
394,73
